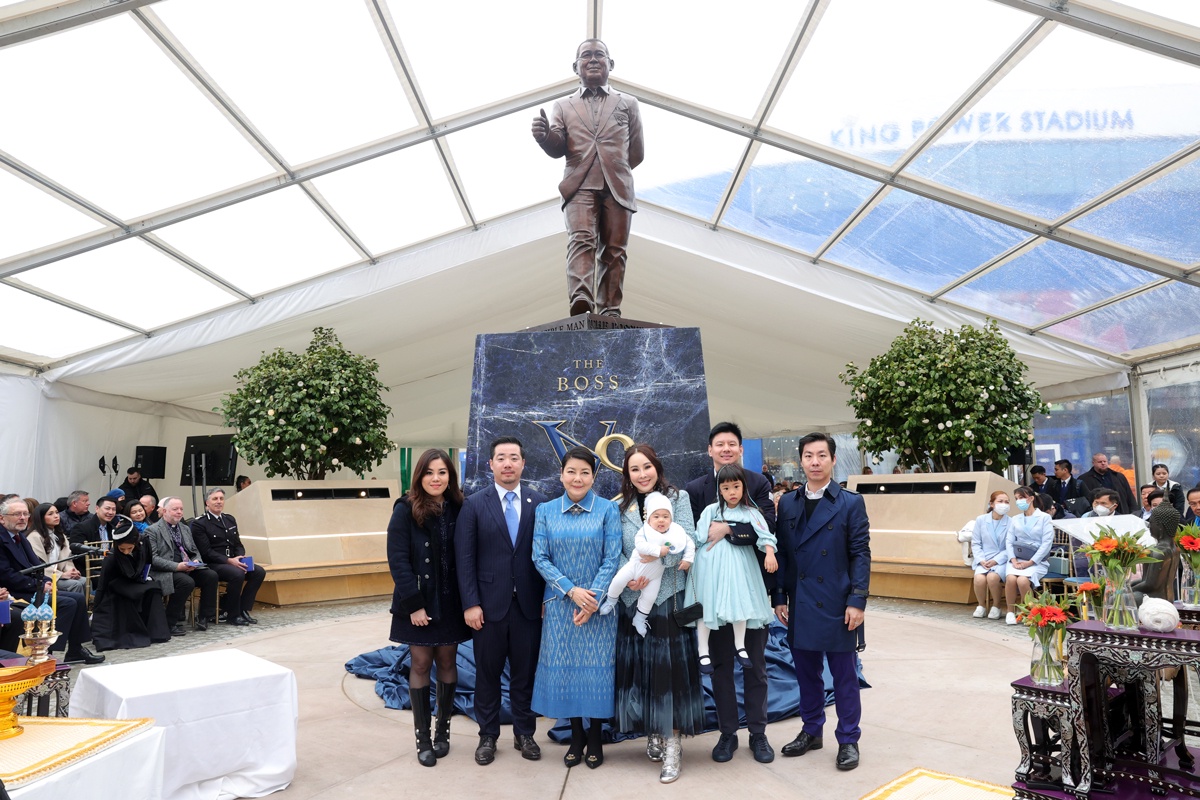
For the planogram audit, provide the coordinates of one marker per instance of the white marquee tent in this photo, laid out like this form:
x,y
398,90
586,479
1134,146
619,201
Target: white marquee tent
x,y
186,183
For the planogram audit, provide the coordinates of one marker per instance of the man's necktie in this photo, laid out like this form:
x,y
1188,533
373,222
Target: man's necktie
x,y
511,516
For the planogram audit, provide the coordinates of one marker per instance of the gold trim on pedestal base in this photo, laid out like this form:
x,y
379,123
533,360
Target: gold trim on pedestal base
x,y
15,681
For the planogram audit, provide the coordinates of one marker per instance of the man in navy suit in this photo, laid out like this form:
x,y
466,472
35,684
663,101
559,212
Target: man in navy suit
x,y
1192,517
825,560
502,596
15,555
725,447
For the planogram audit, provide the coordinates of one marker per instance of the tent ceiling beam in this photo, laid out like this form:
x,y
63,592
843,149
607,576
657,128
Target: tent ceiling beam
x,y
1124,29
1079,312
60,17
31,175
91,312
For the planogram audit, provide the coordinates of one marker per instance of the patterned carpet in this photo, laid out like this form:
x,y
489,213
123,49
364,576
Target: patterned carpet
x,y
923,784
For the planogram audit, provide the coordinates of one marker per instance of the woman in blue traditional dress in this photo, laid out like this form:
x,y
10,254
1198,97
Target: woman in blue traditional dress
x,y
659,693
989,547
577,549
1031,533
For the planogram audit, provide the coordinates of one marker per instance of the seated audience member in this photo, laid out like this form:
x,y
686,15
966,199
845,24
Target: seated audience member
x,y
1037,478
242,482
178,569
16,555
137,515
50,545
1030,537
78,502
1144,496
216,535
1052,507
1155,499
31,503
989,546
150,504
95,531
128,612
135,486
1157,576
1170,489
1104,503
1193,507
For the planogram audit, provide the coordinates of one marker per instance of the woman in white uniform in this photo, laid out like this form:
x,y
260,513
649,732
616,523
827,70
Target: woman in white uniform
x,y
1030,537
989,546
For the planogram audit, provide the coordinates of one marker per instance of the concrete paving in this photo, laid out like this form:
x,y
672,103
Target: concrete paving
x,y
940,700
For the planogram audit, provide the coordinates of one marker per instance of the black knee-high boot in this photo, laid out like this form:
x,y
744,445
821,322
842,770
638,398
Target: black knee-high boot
x,y
421,721
445,709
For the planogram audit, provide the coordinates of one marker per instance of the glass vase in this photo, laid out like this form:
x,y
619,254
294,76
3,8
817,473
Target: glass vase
x,y
1120,608
1189,594
1046,663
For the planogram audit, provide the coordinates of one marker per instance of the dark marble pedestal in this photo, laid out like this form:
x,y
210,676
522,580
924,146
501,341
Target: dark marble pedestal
x,y
603,389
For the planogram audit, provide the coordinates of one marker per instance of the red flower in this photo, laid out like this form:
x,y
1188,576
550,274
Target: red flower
x,y
1053,614
1089,587
1105,545
1189,543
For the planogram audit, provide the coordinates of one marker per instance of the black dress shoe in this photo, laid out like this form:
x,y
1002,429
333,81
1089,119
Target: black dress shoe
x,y
84,655
847,757
802,744
246,616
528,747
763,752
725,746
485,753
201,624
238,620
178,630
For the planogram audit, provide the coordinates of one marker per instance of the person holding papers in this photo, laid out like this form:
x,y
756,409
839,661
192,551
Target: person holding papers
x,y
129,608
1030,537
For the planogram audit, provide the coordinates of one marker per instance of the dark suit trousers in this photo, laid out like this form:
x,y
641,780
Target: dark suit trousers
x,y
810,667
517,640
185,583
754,681
241,586
596,223
72,622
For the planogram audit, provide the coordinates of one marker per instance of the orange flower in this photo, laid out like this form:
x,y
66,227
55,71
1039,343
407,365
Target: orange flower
x,y
1105,546
1189,543
1052,614
1089,587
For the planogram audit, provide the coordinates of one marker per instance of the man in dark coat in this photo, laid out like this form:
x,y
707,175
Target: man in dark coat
x,y
1066,489
220,545
1100,476
502,597
825,560
135,486
725,447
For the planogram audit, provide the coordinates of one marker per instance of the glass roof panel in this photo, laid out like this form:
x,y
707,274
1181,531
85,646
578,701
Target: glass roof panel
x,y
1159,218
33,218
1047,145
313,77
1183,10
688,164
103,111
460,66
114,279
501,166
793,200
871,89
44,331
394,200
921,243
275,240
653,43
1152,318
1046,282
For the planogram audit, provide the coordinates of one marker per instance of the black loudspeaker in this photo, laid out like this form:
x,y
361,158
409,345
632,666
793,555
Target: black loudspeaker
x,y
219,459
150,461
1021,456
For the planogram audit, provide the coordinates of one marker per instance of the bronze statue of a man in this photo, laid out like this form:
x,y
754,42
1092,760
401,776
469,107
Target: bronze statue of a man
x,y
599,130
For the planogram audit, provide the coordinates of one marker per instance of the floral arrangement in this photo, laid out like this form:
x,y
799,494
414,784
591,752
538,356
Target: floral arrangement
x,y
1047,616
1090,595
1187,539
1117,555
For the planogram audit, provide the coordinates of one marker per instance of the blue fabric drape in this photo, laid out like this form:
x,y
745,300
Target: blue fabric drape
x,y
388,667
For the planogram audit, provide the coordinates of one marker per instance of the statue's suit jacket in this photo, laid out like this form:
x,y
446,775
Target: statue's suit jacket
x,y
616,141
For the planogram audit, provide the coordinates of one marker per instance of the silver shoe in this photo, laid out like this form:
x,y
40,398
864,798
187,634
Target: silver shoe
x,y
672,758
654,746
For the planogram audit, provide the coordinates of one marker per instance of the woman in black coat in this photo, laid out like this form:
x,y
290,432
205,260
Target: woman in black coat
x,y
427,612
129,609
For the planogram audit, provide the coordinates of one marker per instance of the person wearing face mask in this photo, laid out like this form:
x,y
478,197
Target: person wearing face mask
x,y
1105,503
989,545
1030,537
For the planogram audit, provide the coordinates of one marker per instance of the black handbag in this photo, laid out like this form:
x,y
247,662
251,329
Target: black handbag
x,y
688,614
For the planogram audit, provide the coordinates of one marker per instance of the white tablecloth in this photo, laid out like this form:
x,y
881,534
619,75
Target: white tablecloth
x,y
131,768
230,719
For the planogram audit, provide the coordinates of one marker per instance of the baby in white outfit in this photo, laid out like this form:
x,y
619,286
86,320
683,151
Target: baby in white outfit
x,y
659,536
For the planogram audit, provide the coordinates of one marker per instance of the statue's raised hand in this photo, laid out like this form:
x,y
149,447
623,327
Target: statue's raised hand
x,y
541,126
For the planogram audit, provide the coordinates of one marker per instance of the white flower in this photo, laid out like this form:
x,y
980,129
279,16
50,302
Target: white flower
x,y
270,412
335,430
1004,416
276,439
949,423
941,426
988,463
302,446
925,422
323,448
899,383
908,451
984,395
335,461
1031,437
257,401
991,408
299,383
357,440
875,460
968,434
978,448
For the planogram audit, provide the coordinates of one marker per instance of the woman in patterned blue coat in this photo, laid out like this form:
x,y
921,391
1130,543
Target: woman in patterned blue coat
x,y
577,549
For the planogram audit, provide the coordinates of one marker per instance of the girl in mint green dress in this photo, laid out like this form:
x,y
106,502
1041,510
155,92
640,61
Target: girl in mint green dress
x,y
726,579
